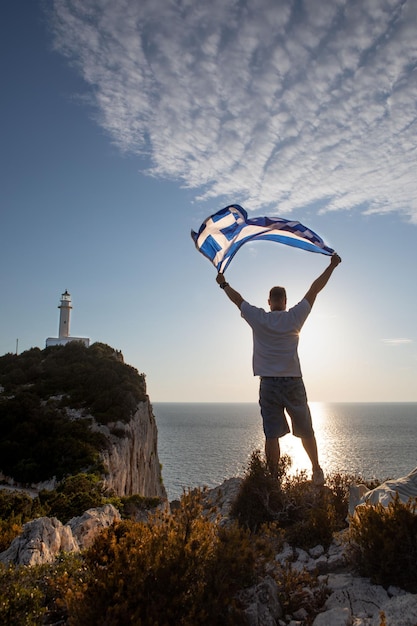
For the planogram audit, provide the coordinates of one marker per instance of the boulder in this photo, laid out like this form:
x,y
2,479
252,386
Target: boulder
x,y
262,603
404,487
44,538
86,527
334,617
401,610
41,541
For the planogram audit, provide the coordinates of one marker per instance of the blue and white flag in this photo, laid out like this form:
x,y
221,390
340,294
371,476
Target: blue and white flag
x,y
221,235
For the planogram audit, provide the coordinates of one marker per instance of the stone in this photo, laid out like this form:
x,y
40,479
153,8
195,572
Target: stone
x,y
261,600
339,581
398,611
334,617
217,502
405,487
336,561
316,552
300,614
41,541
86,527
44,538
286,554
318,565
361,596
302,555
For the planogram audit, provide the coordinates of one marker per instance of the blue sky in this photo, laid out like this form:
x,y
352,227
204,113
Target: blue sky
x,y
125,124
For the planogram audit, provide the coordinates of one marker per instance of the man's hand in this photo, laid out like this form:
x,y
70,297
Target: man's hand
x,y
220,278
335,260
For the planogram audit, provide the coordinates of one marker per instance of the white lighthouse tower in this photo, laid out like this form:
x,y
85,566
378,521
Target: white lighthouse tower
x,y
64,316
64,336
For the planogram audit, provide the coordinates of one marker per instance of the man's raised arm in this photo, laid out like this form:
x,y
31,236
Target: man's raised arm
x,y
322,280
233,295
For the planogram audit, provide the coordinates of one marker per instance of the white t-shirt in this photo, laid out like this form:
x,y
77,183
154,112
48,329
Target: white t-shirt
x,y
275,338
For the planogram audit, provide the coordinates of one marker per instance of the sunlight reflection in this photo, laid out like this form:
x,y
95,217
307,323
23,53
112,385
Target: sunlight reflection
x,y
292,445
294,448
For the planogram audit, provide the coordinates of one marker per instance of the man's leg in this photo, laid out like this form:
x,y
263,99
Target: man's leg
x,y
310,446
272,453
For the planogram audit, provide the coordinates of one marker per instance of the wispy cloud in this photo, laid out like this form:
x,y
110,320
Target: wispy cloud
x,y
276,103
397,342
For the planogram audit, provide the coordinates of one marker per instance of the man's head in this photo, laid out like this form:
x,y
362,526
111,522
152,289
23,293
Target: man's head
x,y
277,299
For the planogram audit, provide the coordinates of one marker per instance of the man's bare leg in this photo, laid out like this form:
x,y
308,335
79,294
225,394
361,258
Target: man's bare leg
x,y
310,446
272,453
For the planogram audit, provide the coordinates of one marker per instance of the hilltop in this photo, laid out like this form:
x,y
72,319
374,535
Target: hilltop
x,y
62,409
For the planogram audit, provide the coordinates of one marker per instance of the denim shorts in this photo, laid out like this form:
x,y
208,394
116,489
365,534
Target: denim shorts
x,y
280,394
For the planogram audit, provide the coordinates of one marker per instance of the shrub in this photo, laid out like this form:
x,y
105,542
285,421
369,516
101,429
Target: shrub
x,y
300,590
132,507
261,498
179,568
39,440
384,543
75,495
309,515
36,595
9,529
16,508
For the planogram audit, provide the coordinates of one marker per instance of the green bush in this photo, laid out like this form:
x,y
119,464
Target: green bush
x,y
40,441
178,568
75,495
384,543
38,595
131,507
16,508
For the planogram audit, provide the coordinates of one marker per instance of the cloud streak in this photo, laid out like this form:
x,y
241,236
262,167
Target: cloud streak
x,y
401,341
275,103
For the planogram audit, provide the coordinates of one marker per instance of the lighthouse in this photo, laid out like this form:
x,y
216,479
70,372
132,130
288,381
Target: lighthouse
x,y
64,336
64,316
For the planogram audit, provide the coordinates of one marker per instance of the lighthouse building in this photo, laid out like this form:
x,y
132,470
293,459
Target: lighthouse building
x,y
64,336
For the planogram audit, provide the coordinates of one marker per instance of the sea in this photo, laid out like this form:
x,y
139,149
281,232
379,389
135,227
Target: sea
x,y
203,444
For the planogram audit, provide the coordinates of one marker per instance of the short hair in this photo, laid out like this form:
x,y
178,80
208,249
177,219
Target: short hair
x,y
277,293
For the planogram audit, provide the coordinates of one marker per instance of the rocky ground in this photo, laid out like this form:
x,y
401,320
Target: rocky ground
x,y
350,600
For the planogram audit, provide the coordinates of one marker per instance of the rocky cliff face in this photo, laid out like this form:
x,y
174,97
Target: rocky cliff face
x,y
131,459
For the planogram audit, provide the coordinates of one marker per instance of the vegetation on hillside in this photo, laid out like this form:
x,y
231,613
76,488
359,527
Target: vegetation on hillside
x,y
40,437
72,497
183,567
95,379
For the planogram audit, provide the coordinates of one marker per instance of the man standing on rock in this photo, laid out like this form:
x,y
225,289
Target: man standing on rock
x,y
276,362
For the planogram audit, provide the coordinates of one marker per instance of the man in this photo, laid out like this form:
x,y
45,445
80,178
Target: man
x,y
276,362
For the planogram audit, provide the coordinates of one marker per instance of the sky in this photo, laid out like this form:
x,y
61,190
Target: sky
x,y
125,124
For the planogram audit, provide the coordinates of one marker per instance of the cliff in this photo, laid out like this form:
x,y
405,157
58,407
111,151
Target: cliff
x,y
73,409
131,458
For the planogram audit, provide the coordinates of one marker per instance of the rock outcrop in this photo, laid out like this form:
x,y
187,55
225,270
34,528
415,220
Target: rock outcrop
x,y
131,459
86,527
44,538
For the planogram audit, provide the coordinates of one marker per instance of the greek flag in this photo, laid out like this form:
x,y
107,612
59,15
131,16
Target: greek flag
x,y
221,235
